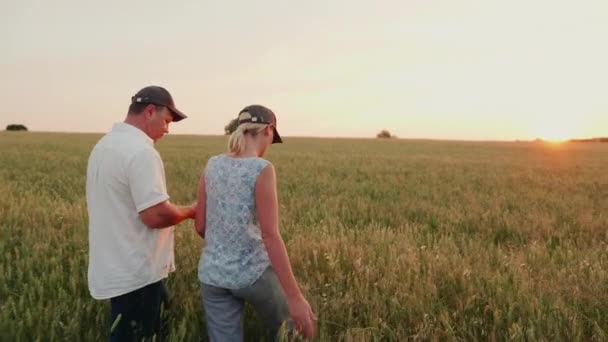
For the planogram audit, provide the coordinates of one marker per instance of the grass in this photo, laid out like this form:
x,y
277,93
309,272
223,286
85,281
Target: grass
x,y
391,239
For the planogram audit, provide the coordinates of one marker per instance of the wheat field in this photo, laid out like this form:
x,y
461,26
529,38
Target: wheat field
x,y
390,239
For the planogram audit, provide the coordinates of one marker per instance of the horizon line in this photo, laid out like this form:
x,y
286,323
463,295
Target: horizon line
x,y
515,140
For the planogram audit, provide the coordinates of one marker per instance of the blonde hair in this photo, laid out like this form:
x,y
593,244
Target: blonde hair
x,y
237,142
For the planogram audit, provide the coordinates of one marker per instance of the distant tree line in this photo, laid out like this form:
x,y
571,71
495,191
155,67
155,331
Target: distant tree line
x,y
16,127
601,140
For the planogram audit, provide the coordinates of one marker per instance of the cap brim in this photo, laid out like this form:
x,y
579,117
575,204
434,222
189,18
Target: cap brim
x,y
276,139
177,114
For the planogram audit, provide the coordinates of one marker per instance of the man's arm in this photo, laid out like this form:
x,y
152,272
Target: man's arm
x,y
146,179
166,214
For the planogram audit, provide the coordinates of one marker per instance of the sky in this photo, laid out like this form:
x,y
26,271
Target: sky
x,y
438,69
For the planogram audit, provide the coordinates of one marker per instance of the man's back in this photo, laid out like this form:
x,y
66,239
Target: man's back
x,y
125,176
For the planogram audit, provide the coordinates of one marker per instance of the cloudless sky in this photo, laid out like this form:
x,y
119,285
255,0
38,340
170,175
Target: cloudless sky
x,y
444,69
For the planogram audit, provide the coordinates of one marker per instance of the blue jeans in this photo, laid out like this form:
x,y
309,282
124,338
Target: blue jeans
x,y
224,307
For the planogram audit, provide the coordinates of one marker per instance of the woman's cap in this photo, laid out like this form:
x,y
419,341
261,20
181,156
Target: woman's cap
x,y
158,96
262,115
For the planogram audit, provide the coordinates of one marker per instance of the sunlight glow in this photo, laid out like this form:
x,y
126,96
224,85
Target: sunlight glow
x,y
556,134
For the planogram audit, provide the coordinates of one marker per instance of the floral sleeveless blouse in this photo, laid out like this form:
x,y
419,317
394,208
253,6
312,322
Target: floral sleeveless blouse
x,y
234,255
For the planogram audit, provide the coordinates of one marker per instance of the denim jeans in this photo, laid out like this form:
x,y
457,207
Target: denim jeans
x,y
140,314
223,307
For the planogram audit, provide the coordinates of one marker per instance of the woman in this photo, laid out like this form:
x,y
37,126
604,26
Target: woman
x,y
245,259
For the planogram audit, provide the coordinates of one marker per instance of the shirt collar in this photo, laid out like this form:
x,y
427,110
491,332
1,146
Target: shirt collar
x,y
130,129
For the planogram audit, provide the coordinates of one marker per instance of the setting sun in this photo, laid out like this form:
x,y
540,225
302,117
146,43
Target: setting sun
x,y
555,136
556,130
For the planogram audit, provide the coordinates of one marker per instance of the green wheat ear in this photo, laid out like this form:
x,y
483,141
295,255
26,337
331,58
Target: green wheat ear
x,y
115,323
283,335
286,333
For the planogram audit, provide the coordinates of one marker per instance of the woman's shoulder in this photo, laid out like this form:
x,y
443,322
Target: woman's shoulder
x,y
253,164
244,160
226,159
214,161
261,163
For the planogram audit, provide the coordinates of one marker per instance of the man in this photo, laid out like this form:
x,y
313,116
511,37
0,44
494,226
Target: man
x,y
130,217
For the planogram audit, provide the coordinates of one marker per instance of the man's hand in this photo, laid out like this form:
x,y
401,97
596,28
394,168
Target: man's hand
x,y
192,210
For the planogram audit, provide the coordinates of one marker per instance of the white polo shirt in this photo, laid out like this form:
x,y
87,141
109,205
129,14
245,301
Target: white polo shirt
x,y
125,175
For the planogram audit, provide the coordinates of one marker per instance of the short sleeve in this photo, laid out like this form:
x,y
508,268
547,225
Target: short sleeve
x,y
147,179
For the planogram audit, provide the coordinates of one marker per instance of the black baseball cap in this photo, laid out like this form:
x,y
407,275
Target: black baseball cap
x,y
158,96
262,115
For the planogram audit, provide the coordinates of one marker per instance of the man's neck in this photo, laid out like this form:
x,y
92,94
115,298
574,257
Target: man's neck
x,y
135,122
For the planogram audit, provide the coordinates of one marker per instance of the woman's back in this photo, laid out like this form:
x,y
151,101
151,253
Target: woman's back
x,y
234,255
237,201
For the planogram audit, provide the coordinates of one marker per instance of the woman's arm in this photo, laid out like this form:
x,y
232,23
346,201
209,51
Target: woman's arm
x,y
201,208
267,209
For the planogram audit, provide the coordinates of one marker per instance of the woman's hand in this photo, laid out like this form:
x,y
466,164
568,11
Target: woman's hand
x,y
302,316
